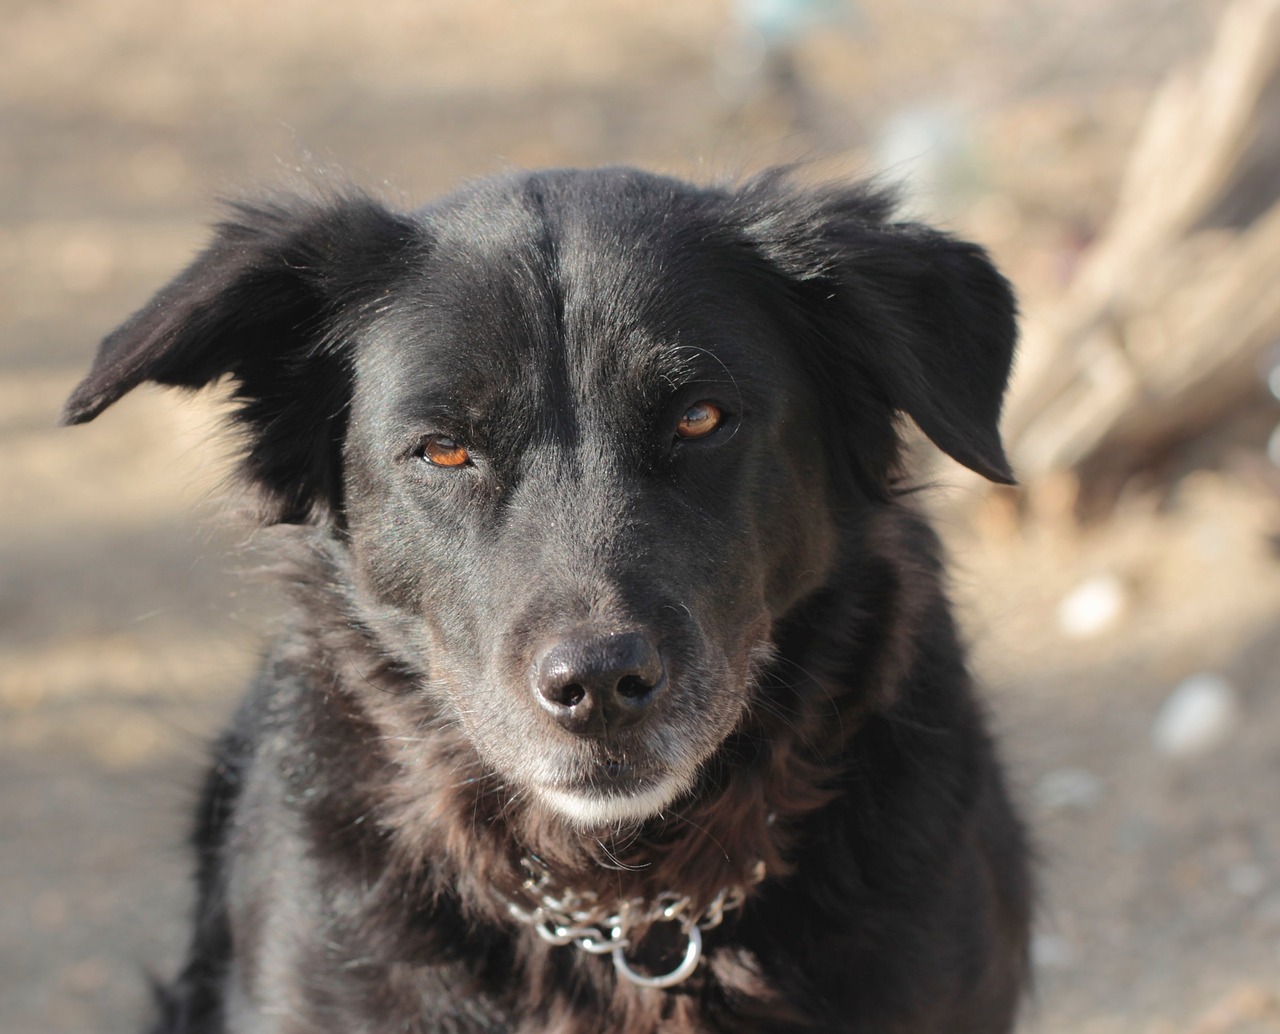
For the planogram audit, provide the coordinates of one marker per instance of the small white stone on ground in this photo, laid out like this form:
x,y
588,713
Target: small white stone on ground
x,y
1049,951
1092,607
1075,788
1246,879
1200,714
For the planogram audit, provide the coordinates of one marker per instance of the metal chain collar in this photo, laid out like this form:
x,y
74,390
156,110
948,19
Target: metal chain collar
x,y
561,916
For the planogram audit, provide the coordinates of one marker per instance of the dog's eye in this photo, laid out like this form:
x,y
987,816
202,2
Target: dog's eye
x,y
442,451
699,420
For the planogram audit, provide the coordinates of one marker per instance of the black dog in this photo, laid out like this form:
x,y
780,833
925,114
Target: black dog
x,y
623,692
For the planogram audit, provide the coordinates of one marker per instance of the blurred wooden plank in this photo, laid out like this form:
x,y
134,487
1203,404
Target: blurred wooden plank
x,y
1163,331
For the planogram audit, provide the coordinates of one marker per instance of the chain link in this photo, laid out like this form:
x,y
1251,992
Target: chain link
x,y
562,916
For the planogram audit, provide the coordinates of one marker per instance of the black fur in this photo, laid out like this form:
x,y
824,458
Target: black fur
x,y
804,698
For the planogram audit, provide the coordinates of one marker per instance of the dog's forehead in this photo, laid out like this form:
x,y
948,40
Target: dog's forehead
x,y
565,296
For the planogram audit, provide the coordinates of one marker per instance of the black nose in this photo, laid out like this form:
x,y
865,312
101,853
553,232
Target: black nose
x,y
594,684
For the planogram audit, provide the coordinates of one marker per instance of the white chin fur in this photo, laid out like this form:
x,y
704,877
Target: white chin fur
x,y
599,809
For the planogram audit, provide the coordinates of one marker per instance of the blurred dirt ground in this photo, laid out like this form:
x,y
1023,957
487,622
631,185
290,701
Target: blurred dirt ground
x,y
129,611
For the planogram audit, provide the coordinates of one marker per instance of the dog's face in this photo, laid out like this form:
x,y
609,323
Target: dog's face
x,y
587,437
581,475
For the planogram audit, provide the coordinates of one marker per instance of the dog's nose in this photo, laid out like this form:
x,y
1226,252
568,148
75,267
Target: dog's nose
x,y
595,684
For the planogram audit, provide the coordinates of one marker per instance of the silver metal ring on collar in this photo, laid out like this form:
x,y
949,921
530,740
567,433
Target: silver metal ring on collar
x,y
692,953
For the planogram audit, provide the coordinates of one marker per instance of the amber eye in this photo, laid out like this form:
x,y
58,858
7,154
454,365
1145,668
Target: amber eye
x,y
442,451
699,420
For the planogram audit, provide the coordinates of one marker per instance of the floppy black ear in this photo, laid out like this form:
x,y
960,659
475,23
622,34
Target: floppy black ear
x,y
925,318
272,303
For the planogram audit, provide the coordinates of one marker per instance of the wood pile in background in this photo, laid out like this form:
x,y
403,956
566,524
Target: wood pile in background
x,y
1174,316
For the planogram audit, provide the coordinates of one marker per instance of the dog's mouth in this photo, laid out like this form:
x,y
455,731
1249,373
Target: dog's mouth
x,y
612,792
616,802
623,775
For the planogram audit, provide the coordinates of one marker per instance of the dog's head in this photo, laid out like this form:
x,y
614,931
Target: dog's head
x,y
586,437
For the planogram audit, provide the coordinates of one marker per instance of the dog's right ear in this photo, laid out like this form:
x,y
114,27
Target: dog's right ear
x,y
271,303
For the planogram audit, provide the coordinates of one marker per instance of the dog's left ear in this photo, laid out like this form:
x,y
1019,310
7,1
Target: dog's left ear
x,y
925,318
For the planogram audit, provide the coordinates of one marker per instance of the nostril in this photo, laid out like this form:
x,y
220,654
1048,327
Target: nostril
x,y
569,695
633,687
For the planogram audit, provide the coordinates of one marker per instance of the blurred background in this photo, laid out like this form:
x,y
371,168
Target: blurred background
x,y
1121,159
